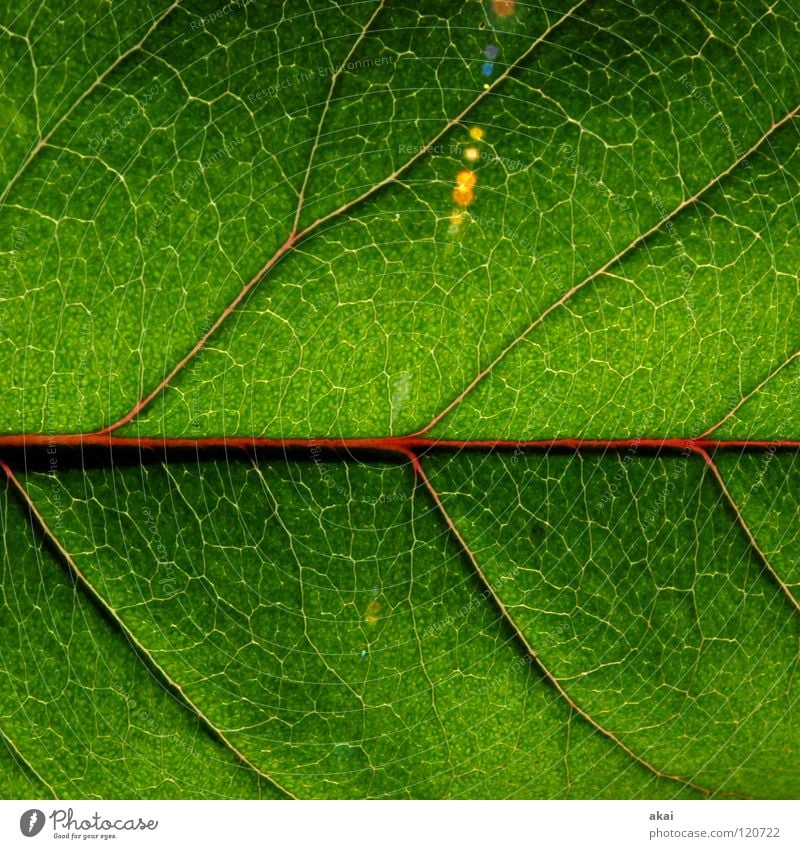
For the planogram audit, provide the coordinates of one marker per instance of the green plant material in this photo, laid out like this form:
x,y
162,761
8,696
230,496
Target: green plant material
x,y
239,221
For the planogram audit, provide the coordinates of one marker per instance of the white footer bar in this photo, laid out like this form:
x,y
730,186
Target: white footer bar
x,y
403,824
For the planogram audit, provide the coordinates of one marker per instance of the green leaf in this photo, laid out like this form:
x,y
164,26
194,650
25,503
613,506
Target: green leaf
x,y
319,484
689,657
86,714
330,631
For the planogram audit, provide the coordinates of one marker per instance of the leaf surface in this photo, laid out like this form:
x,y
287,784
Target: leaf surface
x,y
331,632
86,715
321,484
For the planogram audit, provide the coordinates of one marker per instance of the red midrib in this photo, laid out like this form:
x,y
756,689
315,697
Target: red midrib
x,y
407,445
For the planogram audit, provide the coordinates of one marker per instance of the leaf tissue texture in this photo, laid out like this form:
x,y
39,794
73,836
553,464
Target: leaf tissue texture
x,y
400,400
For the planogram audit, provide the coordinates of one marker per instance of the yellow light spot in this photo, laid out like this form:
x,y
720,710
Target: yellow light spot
x,y
466,179
477,132
472,154
373,611
457,218
486,86
462,195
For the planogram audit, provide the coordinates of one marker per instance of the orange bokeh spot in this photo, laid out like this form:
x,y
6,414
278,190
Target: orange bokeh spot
x,y
463,196
466,179
503,8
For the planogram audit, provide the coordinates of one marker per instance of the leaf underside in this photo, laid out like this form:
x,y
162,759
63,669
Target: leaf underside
x,y
487,499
